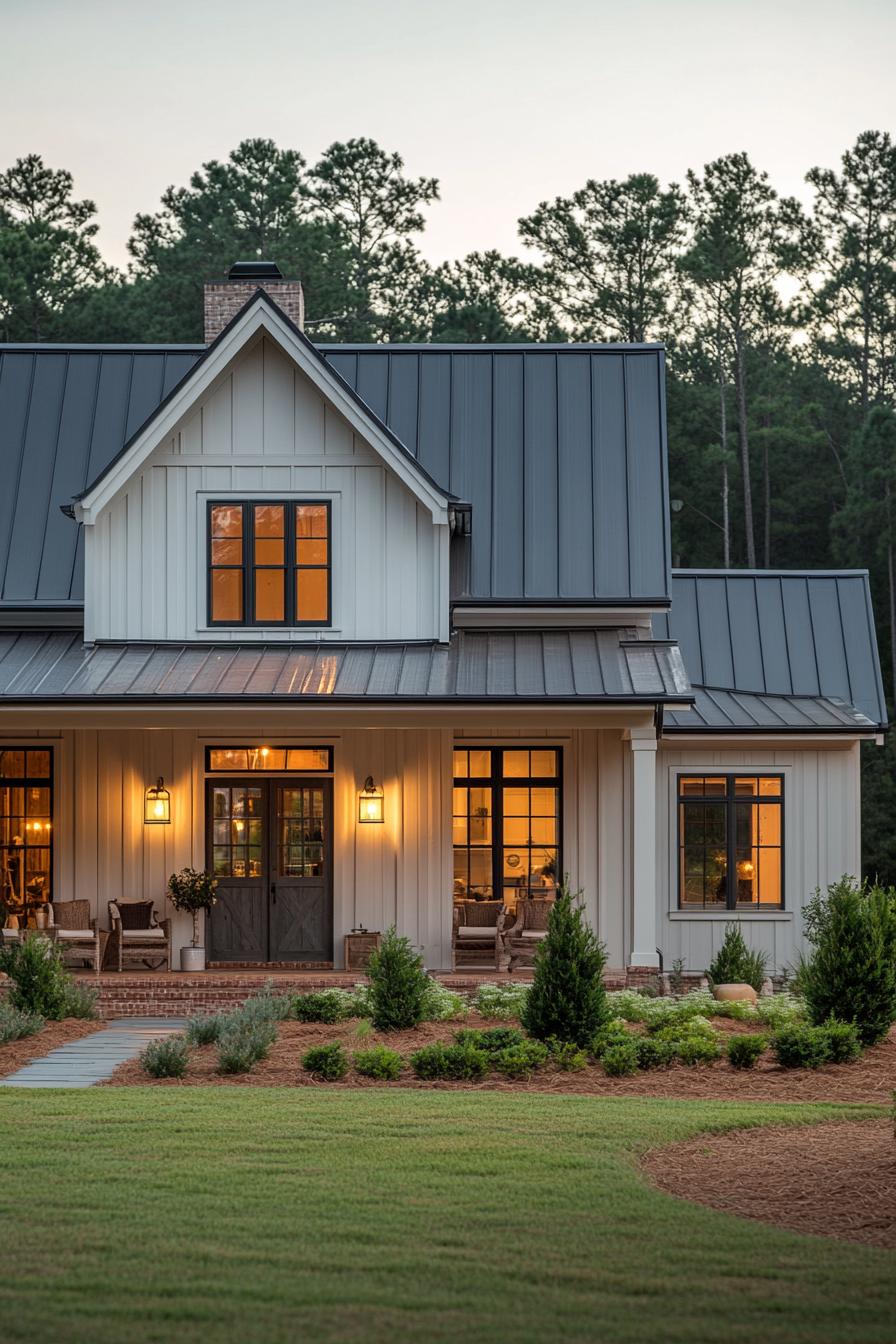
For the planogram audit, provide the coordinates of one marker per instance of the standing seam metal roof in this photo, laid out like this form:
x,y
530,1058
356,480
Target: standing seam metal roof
x,y
560,450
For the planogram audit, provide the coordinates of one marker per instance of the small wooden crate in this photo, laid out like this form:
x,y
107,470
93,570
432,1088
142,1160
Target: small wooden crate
x,y
357,949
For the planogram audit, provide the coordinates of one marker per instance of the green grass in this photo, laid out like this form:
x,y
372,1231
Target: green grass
x,y
272,1215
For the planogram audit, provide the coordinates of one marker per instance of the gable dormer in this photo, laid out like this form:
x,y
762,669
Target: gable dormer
x,y
264,501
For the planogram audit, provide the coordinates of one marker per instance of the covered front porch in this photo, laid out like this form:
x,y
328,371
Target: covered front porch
x,y
476,807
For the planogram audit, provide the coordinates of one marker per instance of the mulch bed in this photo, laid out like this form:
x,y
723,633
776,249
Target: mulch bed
x,y
835,1180
15,1054
871,1079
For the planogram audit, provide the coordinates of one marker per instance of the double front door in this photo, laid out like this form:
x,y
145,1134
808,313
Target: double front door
x,y
270,847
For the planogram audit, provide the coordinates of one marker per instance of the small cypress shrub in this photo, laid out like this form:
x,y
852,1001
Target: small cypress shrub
x,y
329,1062
735,964
379,1062
567,998
166,1058
744,1051
844,1044
398,984
851,971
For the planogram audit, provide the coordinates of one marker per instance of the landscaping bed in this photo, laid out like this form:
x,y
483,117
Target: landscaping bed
x,y
15,1054
869,1079
834,1180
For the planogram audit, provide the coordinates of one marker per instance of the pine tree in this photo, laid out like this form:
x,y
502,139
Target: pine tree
x,y
398,984
567,999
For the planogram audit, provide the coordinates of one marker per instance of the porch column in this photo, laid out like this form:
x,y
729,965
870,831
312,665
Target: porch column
x,y
643,745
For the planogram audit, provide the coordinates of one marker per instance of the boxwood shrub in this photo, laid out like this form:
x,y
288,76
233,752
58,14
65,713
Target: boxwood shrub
x,y
329,1062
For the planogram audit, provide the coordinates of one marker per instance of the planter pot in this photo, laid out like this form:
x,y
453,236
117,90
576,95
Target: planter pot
x,y
192,958
733,993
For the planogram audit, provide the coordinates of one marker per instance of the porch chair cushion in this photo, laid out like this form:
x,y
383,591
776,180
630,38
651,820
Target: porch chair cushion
x,y
141,935
135,914
70,915
484,933
75,935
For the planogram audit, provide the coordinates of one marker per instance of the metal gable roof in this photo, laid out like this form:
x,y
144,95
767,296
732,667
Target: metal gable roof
x,y
560,450
580,667
776,649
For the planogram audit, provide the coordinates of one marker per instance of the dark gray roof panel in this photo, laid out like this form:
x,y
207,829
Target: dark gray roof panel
x,y
584,667
771,633
721,711
560,450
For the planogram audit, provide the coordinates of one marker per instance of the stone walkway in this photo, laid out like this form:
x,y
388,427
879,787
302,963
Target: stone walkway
x,y
93,1058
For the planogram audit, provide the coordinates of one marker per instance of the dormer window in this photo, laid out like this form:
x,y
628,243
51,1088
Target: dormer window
x,y
269,563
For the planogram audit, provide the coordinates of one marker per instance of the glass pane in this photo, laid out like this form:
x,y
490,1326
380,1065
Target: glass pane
x,y
544,764
38,765
270,601
460,765
291,802
308,758
459,830
12,764
746,875
221,861
227,520
312,602
480,872
269,520
269,552
516,830
769,823
745,787
227,594
516,802
770,787
311,520
516,863
480,763
516,764
691,819
544,802
221,832
221,802
544,831
311,552
227,552
769,877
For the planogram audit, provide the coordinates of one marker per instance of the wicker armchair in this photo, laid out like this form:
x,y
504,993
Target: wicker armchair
x,y
75,933
521,938
138,935
476,932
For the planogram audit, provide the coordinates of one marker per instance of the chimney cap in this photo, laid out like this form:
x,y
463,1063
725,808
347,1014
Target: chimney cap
x,y
255,270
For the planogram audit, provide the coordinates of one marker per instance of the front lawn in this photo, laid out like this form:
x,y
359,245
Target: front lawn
x,y
269,1214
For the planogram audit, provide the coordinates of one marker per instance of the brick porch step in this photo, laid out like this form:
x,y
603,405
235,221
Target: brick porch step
x,y
175,994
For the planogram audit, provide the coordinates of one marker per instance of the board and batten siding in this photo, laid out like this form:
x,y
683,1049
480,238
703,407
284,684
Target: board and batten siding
x,y
263,431
822,831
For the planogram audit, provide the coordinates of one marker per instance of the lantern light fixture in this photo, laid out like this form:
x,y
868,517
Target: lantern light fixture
x,y
370,802
157,804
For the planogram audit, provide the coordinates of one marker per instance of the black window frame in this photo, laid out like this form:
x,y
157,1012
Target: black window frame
x,y
731,906
497,781
249,568
25,782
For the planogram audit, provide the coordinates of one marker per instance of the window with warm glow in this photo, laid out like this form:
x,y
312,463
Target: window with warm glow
x,y
730,842
26,830
316,760
506,823
269,563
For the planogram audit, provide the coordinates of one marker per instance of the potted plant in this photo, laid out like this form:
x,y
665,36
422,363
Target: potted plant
x,y
192,890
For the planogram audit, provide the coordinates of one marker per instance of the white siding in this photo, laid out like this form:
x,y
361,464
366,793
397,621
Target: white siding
x,y
821,843
263,431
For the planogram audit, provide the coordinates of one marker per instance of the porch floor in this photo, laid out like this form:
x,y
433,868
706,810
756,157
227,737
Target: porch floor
x,y
177,994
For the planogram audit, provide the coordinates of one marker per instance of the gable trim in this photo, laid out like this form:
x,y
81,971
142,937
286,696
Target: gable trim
x,y
261,315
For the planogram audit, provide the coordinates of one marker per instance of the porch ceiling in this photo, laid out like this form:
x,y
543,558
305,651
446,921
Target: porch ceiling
x,y
612,667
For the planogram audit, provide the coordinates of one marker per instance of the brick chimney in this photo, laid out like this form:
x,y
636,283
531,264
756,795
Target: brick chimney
x,y
224,298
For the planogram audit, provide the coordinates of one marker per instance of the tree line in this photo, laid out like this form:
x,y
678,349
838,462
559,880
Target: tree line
x,y
779,319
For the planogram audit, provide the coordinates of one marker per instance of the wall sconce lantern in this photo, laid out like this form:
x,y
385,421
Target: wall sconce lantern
x,y
157,804
370,802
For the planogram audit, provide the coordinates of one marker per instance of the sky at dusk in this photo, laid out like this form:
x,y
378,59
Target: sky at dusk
x,y
506,102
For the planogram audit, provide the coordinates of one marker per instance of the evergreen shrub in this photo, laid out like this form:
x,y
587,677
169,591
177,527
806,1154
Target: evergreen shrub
x,y
567,998
398,984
